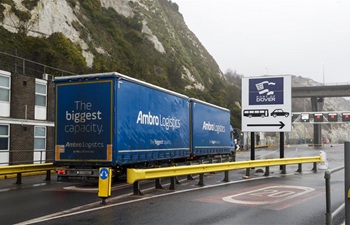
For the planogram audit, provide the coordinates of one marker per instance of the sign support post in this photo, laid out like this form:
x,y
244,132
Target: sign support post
x,y
252,152
282,167
252,145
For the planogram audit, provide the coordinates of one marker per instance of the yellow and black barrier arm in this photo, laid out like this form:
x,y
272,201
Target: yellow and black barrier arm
x,y
135,175
27,168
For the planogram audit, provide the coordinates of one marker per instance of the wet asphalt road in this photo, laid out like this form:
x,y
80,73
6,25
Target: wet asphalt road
x,y
278,199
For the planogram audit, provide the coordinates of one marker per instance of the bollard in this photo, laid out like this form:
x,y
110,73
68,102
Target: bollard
x,y
104,184
324,163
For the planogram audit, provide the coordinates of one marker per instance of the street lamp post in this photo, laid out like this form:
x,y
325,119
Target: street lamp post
x,y
323,74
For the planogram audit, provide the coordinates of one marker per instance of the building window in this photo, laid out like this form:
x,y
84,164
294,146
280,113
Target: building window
x,y
4,144
4,137
39,138
40,94
5,93
40,99
39,144
4,89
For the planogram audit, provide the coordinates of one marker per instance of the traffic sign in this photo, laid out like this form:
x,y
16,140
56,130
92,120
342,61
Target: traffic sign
x,y
332,117
345,116
305,117
318,117
321,117
266,104
104,173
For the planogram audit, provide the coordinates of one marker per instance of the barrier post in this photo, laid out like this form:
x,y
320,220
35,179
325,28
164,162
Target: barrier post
x,y
300,170
158,185
48,175
172,183
136,188
104,183
267,171
201,180
226,178
347,180
19,178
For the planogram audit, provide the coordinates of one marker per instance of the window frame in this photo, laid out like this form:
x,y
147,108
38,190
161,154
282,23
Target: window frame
x,y
40,137
8,88
43,83
6,136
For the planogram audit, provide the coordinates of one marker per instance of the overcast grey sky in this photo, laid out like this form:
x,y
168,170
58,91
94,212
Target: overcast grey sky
x,y
306,38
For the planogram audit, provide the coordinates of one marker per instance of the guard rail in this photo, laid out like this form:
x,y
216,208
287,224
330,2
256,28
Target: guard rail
x,y
136,175
27,168
329,214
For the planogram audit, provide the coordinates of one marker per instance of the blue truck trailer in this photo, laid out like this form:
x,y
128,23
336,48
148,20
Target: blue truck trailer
x,y
112,120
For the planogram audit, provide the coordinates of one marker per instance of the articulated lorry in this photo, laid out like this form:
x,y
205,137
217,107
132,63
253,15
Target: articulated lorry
x,y
112,120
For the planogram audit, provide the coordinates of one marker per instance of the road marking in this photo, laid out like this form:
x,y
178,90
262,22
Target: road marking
x,y
268,195
23,186
72,212
83,188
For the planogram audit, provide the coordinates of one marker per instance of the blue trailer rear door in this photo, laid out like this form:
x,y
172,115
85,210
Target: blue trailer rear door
x,y
84,121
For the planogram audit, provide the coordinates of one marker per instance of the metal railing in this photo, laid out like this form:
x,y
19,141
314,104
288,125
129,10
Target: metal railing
x,y
16,157
16,64
329,214
27,168
136,175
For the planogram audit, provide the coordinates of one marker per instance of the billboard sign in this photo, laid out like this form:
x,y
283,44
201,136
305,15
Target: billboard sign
x,y
266,104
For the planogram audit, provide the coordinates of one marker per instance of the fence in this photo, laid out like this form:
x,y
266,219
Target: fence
x,y
16,64
16,157
329,214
